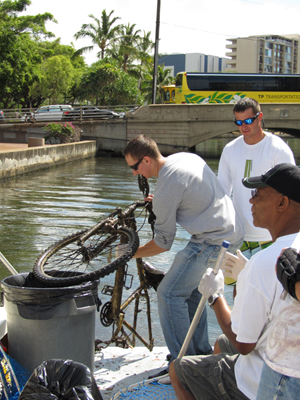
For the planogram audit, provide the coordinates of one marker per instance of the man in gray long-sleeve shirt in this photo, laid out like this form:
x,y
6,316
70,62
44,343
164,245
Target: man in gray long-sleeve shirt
x,y
188,193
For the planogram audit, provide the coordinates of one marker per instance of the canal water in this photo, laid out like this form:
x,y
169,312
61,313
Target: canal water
x,y
41,208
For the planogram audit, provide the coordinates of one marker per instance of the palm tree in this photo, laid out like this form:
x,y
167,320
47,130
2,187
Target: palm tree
x,y
145,46
163,78
125,48
102,33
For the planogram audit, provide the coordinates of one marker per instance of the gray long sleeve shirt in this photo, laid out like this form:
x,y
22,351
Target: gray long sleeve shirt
x,y
190,194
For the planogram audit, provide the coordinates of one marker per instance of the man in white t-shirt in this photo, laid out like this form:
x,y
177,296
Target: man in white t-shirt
x,y
276,207
252,153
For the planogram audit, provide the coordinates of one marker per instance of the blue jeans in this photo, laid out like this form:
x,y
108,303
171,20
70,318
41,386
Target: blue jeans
x,y
178,297
275,386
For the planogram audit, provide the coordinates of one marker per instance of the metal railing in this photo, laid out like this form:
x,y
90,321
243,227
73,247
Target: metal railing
x,y
75,113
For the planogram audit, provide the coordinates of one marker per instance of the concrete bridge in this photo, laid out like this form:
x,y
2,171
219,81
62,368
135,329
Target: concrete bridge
x,y
174,127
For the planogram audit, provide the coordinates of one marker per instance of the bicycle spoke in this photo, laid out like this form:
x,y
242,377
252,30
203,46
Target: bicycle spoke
x,y
95,258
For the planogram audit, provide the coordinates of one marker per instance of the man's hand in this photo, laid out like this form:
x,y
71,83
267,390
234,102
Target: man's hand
x,y
211,283
233,265
149,198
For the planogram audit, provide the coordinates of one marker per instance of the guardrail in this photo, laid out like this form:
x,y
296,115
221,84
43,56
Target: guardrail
x,y
79,113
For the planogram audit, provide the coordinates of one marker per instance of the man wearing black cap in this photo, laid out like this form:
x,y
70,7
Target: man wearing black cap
x,y
275,206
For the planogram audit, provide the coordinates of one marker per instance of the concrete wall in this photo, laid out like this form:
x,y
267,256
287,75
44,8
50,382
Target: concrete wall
x,y
23,161
108,134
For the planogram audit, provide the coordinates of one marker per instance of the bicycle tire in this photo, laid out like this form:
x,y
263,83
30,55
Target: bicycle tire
x,y
66,263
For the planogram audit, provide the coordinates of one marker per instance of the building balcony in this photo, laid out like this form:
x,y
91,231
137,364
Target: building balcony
x,y
231,46
231,55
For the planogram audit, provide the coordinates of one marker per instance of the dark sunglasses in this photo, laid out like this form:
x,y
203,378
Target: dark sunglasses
x,y
247,121
254,194
136,165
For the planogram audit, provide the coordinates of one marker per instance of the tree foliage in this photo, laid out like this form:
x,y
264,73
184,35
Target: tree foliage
x,y
101,32
105,83
18,51
56,79
163,78
125,47
36,70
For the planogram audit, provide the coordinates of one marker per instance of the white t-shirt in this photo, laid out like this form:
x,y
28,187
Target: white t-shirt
x,y
256,306
283,346
240,160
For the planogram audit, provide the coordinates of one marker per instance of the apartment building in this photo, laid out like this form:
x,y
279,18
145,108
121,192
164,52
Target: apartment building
x,y
192,62
264,54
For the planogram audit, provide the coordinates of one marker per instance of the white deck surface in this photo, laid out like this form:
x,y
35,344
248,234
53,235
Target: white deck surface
x,y
116,368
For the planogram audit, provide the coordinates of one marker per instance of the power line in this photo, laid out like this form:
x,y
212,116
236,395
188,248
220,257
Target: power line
x,y
222,34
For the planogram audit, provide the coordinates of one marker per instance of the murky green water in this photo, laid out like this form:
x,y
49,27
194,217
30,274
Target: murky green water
x,y
39,209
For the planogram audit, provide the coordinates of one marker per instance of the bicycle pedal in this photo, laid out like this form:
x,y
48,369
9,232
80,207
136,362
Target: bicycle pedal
x,y
107,289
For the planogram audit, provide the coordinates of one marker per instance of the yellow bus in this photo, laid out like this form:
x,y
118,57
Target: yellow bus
x,y
169,95
201,88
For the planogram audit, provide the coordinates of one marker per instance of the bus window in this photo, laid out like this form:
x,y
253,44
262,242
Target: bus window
x,y
179,78
167,96
173,96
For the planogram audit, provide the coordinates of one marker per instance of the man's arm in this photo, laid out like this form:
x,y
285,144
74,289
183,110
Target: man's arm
x,y
211,284
223,314
149,249
224,175
297,290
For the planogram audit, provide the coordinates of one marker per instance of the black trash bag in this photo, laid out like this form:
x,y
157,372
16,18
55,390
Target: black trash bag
x,y
61,379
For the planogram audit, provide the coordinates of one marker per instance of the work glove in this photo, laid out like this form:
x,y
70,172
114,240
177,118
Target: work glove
x,y
211,283
233,265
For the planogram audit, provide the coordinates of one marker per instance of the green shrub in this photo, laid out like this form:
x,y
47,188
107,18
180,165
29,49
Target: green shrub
x,y
62,132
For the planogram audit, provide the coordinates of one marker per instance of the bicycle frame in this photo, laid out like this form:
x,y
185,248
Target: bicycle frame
x,y
118,309
115,311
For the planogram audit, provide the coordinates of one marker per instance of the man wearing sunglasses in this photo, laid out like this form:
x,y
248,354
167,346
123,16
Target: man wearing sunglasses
x,y
255,150
187,193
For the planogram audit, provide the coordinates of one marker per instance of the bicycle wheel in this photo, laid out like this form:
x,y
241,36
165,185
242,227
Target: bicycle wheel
x,y
67,263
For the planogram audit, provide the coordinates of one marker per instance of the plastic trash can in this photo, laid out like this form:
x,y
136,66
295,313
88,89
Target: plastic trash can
x,y
48,322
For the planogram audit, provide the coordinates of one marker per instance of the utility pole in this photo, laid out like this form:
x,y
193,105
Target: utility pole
x,y
154,88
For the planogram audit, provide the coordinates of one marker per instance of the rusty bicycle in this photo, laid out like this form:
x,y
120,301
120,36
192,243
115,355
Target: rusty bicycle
x,y
99,251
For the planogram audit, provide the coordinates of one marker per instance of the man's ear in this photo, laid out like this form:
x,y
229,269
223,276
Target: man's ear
x,y
147,159
284,202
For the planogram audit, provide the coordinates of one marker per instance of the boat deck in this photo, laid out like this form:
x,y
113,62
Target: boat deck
x,y
116,368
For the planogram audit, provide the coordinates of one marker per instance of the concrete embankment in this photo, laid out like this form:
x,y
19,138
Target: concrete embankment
x,y
20,161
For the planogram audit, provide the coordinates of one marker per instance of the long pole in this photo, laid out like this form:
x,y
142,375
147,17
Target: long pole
x,y
154,88
8,265
201,305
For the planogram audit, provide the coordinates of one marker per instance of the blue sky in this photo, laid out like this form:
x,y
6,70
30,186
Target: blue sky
x,y
187,26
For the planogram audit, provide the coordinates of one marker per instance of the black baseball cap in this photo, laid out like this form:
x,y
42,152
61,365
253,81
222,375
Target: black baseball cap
x,y
285,178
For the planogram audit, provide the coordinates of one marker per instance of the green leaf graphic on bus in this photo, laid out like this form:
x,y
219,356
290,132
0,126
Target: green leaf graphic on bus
x,y
216,97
